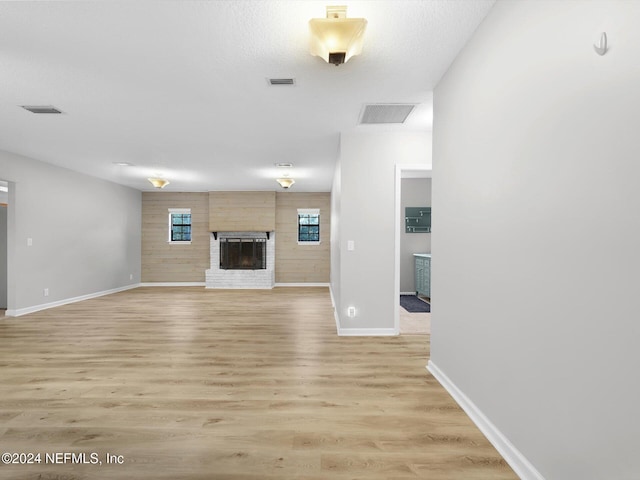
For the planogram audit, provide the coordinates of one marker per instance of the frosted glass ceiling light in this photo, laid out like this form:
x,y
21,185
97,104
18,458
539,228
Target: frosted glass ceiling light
x,y
337,38
285,182
158,182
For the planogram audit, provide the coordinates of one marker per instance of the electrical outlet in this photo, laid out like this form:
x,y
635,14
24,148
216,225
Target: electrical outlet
x,y
351,312
131,276
29,242
46,292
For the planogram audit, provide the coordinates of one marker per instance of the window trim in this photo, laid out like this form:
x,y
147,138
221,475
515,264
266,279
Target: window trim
x,y
179,211
307,211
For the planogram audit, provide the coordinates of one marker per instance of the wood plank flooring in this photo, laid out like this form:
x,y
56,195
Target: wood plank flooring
x,y
195,384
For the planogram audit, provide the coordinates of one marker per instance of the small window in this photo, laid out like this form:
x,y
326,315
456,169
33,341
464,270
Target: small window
x,y
309,226
179,225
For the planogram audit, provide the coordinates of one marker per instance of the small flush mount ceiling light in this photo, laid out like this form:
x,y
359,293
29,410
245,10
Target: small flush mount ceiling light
x,y
158,182
337,38
285,182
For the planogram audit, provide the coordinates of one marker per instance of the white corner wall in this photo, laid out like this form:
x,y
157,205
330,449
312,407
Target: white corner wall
x,y
85,234
334,277
3,255
536,168
365,275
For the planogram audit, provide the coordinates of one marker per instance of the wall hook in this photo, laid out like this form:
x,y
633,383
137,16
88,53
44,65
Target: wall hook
x,y
602,48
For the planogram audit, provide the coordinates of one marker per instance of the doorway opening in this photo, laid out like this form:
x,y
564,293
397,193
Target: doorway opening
x,y
412,185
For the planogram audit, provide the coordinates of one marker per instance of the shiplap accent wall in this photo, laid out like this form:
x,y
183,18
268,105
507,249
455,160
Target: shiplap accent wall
x,y
165,262
301,263
242,211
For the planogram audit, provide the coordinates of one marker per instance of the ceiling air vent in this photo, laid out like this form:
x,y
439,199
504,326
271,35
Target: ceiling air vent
x,y
385,113
282,81
41,108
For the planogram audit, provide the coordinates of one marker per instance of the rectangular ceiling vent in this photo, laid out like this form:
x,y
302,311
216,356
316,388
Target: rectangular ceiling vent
x,y
282,81
385,113
41,108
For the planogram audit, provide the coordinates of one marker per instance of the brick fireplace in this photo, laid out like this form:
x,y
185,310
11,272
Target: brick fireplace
x,y
233,269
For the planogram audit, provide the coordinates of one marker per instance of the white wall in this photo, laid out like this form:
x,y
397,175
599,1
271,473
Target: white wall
x,y
367,217
334,277
415,192
3,256
85,233
536,201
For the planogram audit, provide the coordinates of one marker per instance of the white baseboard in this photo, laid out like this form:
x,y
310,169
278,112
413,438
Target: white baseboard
x,y
203,284
367,332
36,308
335,310
516,460
407,293
251,287
333,300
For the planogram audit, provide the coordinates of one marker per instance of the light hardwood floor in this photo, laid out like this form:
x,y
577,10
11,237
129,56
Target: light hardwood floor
x,y
414,323
195,384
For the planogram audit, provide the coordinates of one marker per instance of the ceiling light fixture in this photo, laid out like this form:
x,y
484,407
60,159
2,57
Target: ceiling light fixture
x,y
285,182
337,38
158,182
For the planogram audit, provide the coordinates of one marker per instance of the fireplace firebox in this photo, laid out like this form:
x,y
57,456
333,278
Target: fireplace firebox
x,y
243,253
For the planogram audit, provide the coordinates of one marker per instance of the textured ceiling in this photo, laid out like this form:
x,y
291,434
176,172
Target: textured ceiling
x,y
179,88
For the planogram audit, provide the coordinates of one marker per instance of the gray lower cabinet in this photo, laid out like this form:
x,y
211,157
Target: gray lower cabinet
x,y
423,274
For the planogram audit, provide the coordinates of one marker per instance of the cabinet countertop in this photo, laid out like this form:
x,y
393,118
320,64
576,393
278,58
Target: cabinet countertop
x,y
425,255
